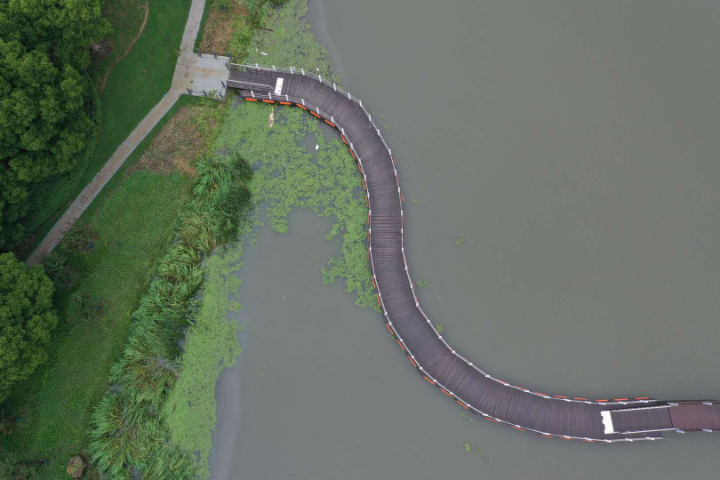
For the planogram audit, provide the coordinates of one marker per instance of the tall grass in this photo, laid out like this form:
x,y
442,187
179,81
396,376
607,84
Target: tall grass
x,y
129,437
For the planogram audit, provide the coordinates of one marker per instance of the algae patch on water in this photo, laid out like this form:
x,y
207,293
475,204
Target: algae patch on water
x,y
210,346
287,41
288,175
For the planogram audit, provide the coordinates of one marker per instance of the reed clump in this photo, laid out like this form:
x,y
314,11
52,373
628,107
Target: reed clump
x,y
130,437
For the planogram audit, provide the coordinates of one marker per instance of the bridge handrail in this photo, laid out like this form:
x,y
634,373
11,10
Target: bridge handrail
x,y
302,71
272,98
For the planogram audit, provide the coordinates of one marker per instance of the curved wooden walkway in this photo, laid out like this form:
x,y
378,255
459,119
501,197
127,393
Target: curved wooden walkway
x,y
571,418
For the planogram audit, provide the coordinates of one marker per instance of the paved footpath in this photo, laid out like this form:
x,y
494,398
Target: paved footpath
x,y
186,71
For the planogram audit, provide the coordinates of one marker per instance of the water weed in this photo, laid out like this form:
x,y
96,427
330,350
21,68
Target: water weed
x,y
475,451
135,427
288,175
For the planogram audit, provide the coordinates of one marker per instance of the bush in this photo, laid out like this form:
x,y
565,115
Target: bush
x,y
56,266
128,433
26,320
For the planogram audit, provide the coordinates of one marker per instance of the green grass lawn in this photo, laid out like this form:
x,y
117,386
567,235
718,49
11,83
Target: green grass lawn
x,y
136,84
131,223
130,231
126,18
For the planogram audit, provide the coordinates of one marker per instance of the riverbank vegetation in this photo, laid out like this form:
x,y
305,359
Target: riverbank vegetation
x,y
100,270
130,434
232,26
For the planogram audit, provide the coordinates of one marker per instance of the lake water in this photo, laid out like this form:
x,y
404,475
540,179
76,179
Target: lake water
x,y
575,146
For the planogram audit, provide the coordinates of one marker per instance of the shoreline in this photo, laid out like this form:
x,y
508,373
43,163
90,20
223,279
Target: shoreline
x,y
228,390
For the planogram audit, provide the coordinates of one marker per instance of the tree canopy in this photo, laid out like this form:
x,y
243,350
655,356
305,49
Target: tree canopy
x,y
44,96
26,320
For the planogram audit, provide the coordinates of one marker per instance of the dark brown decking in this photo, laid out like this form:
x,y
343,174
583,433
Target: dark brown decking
x,y
641,419
496,400
696,416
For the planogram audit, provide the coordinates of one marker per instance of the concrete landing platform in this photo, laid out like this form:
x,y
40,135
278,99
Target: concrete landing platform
x,y
210,76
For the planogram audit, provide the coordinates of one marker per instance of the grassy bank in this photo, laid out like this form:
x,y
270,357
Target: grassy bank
x,y
112,255
136,84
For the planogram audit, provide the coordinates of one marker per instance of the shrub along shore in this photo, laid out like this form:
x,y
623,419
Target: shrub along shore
x,y
130,435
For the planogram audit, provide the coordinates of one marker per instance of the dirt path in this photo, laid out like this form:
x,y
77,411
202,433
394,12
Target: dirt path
x,y
181,82
127,50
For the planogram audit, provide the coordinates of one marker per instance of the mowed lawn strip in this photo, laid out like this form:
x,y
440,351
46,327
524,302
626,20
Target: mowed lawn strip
x,y
134,87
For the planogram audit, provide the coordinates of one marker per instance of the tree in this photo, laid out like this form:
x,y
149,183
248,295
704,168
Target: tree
x,y
26,320
45,96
